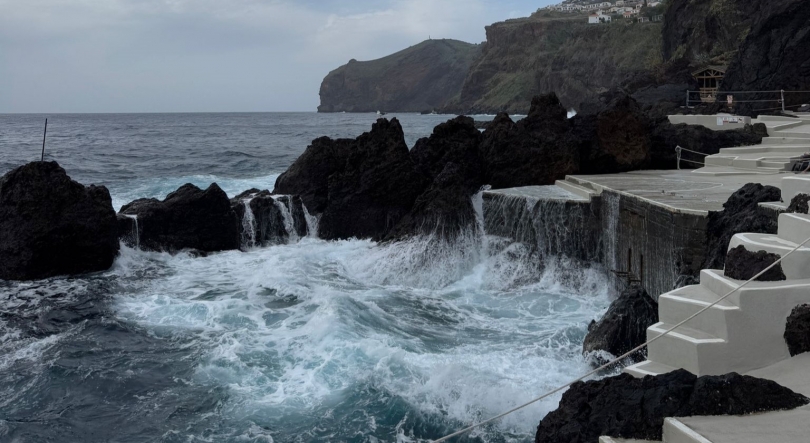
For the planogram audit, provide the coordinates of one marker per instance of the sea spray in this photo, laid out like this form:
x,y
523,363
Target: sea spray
x,y
135,235
248,240
312,222
284,204
324,341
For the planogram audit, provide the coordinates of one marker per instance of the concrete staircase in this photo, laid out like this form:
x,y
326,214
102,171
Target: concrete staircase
x,y
788,139
743,332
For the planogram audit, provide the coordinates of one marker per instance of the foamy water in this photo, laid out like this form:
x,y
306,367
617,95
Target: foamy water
x,y
308,341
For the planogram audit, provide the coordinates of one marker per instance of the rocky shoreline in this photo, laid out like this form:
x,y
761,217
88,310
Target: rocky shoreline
x,y
374,187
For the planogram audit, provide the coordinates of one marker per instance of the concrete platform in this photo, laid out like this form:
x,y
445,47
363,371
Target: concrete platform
x,y
679,190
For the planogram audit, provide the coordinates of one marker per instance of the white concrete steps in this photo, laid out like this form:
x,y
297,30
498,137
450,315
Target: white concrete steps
x,y
691,349
716,282
676,306
793,149
605,439
647,367
796,266
794,185
772,427
783,141
675,431
794,227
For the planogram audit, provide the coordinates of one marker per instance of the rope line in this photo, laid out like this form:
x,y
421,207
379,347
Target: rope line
x,y
623,356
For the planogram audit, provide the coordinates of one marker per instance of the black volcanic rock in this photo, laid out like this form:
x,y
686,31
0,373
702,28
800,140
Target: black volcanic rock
x,y
449,158
742,264
268,221
797,330
308,177
741,213
624,325
616,139
536,150
635,408
362,187
189,218
799,204
51,225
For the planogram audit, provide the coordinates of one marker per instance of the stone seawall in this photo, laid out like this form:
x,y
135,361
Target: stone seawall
x,y
659,245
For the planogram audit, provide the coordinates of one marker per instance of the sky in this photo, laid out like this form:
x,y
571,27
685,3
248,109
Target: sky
x,y
210,55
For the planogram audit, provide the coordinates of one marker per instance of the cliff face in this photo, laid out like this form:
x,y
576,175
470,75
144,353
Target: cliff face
x,y
536,55
422,77
706,31
775,54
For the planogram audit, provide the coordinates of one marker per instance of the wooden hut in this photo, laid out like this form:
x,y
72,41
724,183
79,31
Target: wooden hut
x,y
709,79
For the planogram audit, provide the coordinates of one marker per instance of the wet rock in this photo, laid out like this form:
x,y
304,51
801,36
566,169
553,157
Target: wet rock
x,y
361,188
536,150
635,408
449,159
128,231
268,221
624,325
444,210
797,330
51,225
741,213
742,264
308,177
799,204
189,218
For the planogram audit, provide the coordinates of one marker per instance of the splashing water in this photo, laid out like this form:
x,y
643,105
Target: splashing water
x,y
248,226
312,223
286,214
313,341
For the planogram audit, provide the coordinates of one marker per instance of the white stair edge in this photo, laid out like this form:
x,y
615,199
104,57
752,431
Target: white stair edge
x,y
675,431
575,189
702,303
661,328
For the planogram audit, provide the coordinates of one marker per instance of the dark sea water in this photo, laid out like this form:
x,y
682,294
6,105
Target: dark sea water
x,y
310,341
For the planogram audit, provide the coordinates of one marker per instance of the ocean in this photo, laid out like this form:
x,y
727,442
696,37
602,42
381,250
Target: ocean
x,y
345,341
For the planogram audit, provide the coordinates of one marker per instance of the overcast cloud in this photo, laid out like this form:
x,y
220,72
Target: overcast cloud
x,y
210,55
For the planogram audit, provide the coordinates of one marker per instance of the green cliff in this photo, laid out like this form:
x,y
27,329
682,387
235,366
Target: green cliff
x,y
422,77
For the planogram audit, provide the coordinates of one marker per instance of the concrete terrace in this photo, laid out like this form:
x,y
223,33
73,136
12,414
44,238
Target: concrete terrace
x,y
744,332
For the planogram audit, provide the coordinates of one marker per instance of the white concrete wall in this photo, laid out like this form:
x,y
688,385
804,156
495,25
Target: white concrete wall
x,y
715,122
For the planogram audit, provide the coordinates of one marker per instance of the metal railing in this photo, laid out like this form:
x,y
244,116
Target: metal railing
x,y
779,97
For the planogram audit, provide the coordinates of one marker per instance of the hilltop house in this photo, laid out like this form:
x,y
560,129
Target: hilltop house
x,y
598,17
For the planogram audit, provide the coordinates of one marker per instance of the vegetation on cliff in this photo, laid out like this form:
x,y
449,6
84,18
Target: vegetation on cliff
x,y
422,77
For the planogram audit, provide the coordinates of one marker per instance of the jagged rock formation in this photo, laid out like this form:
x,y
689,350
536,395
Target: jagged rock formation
x,y
797,330
741,213
189,218
635,408
51,225
361,187
624,325
420,78
742,264
449,159
774,54
800,204
273,219
533,151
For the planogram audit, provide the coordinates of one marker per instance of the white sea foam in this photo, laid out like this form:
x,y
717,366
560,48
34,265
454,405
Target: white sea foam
x,y
452,330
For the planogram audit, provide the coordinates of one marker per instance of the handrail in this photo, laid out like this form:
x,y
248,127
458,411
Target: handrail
x,y
625,355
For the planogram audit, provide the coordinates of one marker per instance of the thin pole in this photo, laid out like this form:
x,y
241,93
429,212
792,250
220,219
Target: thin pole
x,y
687,99
44,134
783,100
